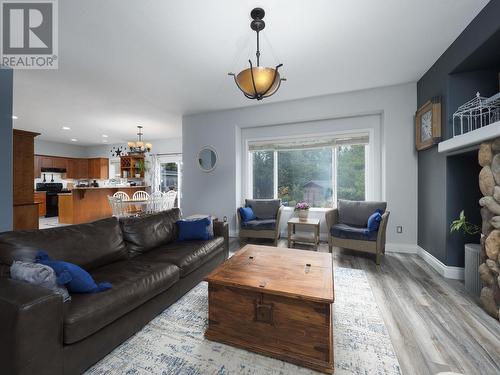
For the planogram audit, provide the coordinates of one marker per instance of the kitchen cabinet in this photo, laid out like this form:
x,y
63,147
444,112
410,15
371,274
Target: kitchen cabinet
x,y
38,166
77,168
82,168
61,163
99,168
42,161
46,162
96,168
41,199
25,210
72,169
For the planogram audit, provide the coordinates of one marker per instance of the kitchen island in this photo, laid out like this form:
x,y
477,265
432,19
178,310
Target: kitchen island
x,y
86,204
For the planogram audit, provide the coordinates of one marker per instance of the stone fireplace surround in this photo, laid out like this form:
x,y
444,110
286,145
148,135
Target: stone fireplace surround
x,y
489,184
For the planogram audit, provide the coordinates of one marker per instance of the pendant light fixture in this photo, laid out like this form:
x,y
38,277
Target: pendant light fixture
x,y
139,147
258,82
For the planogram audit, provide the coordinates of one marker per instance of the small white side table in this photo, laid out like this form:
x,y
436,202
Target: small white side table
x,y
313,238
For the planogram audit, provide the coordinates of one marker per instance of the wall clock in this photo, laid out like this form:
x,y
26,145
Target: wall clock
x,y
428,124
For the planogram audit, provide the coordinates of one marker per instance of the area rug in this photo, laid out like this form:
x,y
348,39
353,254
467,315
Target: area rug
x,y
173,342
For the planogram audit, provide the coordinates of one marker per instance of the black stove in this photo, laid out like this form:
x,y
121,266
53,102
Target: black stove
x,y
51,189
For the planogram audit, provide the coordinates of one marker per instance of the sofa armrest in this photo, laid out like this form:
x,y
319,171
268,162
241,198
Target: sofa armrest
x,y
221,229
31,319
278,221
332,218
239,220
381,231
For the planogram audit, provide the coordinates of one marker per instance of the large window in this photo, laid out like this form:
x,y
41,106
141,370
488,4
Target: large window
x,y
318,171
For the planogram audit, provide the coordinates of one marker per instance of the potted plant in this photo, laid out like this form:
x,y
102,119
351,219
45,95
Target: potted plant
x,y
302,208
140,167
472,252
461,224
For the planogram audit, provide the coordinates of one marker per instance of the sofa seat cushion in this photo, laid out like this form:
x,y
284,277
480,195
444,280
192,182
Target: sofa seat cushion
x,y
134,282
187,255
350,232
269,224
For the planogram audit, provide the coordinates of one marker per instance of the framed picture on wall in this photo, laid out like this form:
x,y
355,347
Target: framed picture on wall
x,y
428,124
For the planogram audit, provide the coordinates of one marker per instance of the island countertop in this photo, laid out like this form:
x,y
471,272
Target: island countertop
x,y
88,204
110,187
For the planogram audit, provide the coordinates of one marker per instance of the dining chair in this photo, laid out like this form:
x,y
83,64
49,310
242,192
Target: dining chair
x,y
122,195
140,195
116,206
154,202
169,199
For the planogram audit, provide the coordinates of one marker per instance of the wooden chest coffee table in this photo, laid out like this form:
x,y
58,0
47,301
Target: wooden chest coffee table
x,y
276,302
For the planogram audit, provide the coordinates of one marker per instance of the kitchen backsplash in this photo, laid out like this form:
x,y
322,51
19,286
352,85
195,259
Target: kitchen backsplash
x,y
57,177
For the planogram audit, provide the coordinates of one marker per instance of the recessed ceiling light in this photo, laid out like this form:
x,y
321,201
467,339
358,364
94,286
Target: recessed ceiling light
x,y
66,128
104,136
14,117
74,140
104,141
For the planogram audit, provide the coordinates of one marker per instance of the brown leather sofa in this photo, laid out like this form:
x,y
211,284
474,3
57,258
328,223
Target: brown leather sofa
x,y
149,271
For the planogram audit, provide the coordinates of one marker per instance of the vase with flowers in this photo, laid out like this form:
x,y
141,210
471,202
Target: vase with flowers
x,y
302,209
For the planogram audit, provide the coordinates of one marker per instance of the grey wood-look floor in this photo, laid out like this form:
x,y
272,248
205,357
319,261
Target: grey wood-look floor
x,y
434,325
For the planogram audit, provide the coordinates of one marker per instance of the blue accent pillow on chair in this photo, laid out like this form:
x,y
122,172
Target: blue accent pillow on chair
x,y
374,221
194,229
247,214
75,278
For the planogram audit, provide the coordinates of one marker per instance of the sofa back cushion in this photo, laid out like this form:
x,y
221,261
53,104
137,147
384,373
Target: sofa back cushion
x,y
357,212
88,245
264,209
148,232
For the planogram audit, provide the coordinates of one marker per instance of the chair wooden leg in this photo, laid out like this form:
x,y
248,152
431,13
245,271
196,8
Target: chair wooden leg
x,y
378,258
330,245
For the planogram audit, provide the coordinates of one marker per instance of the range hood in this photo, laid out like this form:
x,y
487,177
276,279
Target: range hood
x,y
53,170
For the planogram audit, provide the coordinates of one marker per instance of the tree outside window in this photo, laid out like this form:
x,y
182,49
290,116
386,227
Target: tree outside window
x,y
317,176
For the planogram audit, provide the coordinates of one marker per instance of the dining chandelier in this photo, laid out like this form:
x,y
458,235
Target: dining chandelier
x,y
139,147
258,82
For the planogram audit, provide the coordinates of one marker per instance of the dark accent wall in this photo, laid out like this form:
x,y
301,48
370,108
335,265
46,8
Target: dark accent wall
x,y
469,65
463,193
6,149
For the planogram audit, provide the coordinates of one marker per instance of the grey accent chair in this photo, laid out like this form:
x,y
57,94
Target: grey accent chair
x,y
347,227
267,224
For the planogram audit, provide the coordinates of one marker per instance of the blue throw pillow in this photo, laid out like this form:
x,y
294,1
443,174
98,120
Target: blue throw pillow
x,y
194,229
374,221
247,214
75,278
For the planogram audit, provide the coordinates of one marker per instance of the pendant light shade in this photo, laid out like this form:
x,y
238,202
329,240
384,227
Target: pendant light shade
x,y
258,82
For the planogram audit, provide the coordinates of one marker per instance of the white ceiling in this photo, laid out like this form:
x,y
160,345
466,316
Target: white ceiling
x,y
129,62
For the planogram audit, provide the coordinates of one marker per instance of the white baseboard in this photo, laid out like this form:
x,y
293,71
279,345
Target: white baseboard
x,y
392,247
448,272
